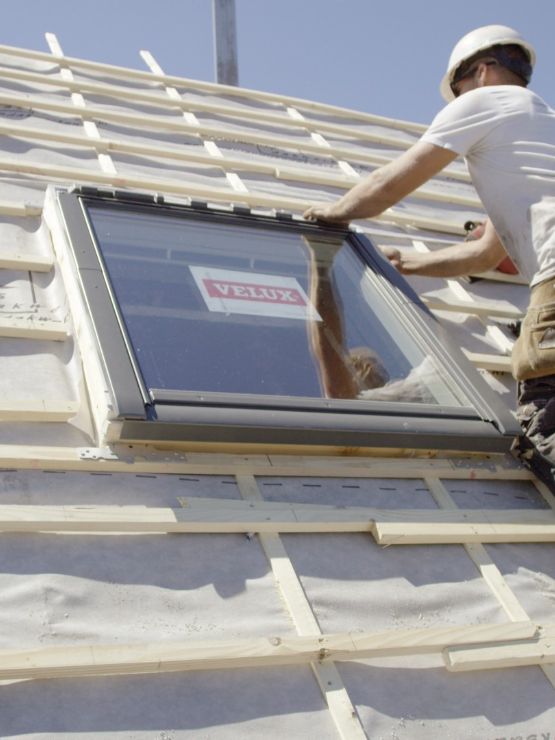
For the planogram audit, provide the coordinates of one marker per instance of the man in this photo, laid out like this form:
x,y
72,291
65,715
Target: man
x,y
507,135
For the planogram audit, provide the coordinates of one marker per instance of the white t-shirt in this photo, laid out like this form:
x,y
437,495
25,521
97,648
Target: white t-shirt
x,y
507,135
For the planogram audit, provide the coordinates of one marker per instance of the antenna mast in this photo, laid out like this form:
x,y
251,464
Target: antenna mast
x,y
225,42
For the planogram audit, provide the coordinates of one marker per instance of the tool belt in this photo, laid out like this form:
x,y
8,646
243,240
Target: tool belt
x,y
534,351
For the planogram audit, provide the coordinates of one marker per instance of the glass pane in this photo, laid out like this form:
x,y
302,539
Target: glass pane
x,y
212,307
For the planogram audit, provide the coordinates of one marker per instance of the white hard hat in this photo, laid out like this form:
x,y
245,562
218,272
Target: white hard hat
x,y
475,41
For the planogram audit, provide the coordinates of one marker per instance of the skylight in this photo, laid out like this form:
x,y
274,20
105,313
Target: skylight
x,y
225,312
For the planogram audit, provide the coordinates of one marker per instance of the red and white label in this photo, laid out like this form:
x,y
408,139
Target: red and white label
x,y
255,294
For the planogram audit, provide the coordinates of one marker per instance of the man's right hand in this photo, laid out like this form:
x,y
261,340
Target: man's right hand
x,y
394,256
331,213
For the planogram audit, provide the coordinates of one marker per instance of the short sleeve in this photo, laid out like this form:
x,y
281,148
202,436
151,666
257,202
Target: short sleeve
x,y
466,121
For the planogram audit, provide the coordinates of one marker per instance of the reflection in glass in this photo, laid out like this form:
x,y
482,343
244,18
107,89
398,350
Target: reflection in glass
x,y
217,307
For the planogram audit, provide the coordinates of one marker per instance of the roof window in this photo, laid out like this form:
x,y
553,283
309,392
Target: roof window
x,y
226,326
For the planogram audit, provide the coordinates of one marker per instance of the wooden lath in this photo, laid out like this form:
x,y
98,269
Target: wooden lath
x,y
214,152
20,261
145,459
174,81
388,526
299,173
213,130
18,208
288,583
539,650
478,308
464,302
119,93
71,661
30,327
494,363
517,642
67,80
47,410
188,189
486,566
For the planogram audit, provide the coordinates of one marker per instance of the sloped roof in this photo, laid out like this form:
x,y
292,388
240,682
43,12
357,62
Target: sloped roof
x,y
322,624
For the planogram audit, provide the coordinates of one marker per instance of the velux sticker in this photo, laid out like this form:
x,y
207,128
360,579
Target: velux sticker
x,y
255,294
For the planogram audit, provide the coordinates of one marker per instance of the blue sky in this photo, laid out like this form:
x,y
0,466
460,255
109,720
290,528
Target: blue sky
x,y
380,56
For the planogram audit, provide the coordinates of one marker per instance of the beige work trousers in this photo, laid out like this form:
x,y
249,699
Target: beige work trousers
x,y
534,351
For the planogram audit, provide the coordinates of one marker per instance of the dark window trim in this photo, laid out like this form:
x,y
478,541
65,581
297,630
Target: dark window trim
x,y
216,417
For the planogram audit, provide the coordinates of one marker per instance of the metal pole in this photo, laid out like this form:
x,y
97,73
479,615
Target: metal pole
x,y
225,42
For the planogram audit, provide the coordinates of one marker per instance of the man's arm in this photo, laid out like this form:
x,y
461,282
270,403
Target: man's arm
x,y
474,256
386,185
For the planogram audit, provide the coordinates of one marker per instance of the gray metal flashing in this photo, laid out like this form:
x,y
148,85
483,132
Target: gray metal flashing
x,y
291,420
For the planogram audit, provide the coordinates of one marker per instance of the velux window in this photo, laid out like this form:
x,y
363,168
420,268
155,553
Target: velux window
x,y
225,326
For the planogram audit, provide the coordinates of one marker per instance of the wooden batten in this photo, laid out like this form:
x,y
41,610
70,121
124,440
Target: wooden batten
x,y
32,328
389,526
19,261
494,363
172,80
38,411
539,651
69,661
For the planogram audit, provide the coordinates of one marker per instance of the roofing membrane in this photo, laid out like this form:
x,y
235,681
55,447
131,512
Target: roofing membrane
x,y
216,615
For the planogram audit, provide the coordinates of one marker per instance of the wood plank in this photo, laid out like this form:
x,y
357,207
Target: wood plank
x,y
134,95
19,261
193,189
134,74
432,533
331,685
488,569
399,468
178,125
33,328
465,302
286,578
225,161
217,515
147,459
390,517
66,79
346,182
539,652
37,411
218,130
109,144
69,661
17,208
495,363
479,556
211,147
474,307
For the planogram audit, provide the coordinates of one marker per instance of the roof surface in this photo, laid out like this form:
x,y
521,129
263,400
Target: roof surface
x,y
137,596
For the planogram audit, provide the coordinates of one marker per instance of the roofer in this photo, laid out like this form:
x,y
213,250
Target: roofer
x,y
507,135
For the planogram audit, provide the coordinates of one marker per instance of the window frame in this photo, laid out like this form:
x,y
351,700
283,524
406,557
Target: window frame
x,y
190,416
